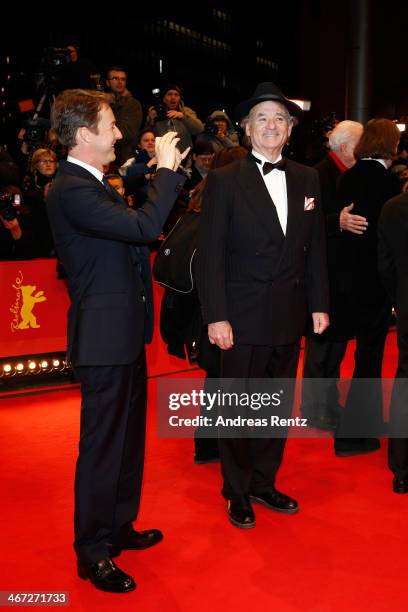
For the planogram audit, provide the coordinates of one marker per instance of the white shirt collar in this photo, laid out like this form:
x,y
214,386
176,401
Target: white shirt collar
x,y
97,173
381,161
264,159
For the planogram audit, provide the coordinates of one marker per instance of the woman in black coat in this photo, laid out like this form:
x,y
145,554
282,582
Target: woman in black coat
x,y
367,309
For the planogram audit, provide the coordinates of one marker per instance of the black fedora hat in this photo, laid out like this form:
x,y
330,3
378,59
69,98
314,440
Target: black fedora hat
x,y
264,92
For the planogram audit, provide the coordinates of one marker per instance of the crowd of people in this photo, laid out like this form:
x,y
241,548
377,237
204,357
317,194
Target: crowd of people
x,y
281,250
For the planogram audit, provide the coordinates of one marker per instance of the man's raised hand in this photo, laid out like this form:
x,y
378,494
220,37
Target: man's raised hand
x,y
167,154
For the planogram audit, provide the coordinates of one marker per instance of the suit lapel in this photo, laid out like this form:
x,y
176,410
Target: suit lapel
x,y
114,195
76,170
259,200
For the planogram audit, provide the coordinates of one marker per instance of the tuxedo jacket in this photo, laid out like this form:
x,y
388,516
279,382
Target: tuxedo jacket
x,y
95,235
248,272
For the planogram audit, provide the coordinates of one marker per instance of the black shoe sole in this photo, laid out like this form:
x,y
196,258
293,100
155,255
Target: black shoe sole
x,y
351,453
83,574
115,550
259,500
203,461
241,525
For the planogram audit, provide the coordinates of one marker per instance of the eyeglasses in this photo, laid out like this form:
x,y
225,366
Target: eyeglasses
x,y
114,78
46,161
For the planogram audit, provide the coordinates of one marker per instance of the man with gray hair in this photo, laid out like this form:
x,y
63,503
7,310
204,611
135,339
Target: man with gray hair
x,y
261,271
324,353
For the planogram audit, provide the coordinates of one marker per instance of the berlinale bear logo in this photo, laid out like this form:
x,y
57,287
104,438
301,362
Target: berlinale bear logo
x,y
26,299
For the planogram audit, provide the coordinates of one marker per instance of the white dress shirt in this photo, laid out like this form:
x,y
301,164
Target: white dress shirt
x,y
97,173
275,182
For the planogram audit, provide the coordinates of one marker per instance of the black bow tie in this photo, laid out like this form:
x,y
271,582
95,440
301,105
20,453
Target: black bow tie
x,y
269,166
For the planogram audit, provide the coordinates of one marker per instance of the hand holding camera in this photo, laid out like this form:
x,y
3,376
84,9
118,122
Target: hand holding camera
x,y
173,114
9,211
9,206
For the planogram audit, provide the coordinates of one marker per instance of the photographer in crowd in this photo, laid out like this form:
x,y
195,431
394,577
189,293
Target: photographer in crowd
x,y
219,131
127,111
15,234
172,115
77,70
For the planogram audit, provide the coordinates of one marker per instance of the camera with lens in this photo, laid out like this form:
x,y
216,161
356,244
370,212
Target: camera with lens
x,y
53,60
159,106
9,206
210,127
36,131
53,57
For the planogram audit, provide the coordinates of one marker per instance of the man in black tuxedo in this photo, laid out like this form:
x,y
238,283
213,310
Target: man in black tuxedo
x,y
324,353
393,266
95,235
261,269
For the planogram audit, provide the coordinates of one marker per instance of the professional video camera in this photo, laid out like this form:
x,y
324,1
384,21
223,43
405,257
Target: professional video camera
x,y
10,206
36,131
47,81
159,106
51,61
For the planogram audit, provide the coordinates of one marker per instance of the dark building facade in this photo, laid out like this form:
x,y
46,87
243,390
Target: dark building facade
x,y
216,52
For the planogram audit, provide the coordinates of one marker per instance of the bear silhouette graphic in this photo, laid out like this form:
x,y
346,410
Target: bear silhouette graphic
x,y
29,301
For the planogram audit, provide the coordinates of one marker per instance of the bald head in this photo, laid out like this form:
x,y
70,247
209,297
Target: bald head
x,y
343,140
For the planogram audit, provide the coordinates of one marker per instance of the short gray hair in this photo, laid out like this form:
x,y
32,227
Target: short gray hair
x,y
343,133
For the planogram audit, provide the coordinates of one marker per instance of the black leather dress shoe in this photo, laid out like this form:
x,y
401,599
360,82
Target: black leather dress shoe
x,y
105,575
274,500
201,458
135,540
347,447
240,514
325,422
399,485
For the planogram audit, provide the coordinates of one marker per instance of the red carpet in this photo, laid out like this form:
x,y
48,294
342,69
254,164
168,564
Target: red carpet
x,y
344,551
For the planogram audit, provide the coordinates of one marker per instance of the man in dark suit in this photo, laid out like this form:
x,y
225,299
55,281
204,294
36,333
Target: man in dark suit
x,y
393,266
95,233
261,269
324,353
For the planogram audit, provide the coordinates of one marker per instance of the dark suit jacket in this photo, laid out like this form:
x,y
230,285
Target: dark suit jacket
x,y
94,235
393,267
329,176
368,185
393,257
248,272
